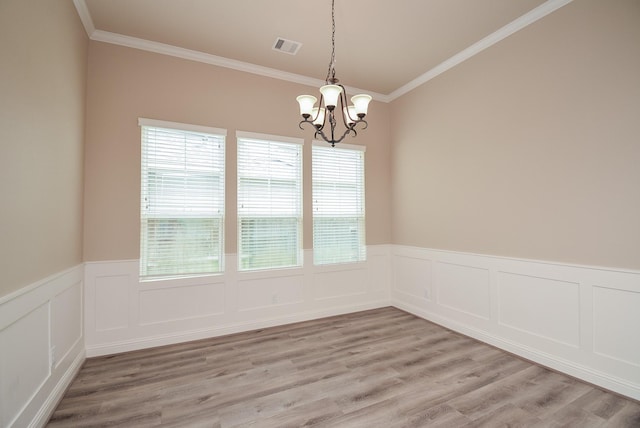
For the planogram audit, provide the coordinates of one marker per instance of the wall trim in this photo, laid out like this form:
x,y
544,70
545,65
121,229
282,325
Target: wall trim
x,y
219,61
518,24
49,406
188,336
45,320
543,311
521,259
405,277
39,283
578,371
133,42
124,314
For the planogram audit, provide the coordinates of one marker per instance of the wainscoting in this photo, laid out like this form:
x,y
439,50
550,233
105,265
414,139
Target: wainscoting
x,y
41,347
579,320
122,313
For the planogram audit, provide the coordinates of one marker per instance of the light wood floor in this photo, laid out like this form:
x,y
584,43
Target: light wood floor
x,y
380,368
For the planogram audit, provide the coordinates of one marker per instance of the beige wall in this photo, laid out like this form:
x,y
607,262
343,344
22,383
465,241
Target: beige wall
x,y
532,148
125,84
43,52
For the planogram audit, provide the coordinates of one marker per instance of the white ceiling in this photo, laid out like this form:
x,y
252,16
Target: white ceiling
x,y
385,48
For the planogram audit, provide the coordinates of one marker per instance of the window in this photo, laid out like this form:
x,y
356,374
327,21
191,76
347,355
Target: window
x,y
182,199
269,201
338,204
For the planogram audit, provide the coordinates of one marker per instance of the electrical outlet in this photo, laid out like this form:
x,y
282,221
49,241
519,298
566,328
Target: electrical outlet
x,y
274,299
427,295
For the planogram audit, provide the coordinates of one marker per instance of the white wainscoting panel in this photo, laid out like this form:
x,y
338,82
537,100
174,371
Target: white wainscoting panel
x,y
539,306
41,347
413,276
187,301
67,322
464,289
265,292
577,319
580,320
113,294
379,269
24,361
341,283
616,315
123,313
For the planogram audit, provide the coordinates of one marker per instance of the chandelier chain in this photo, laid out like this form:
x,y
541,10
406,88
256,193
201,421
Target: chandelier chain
x,y
332,70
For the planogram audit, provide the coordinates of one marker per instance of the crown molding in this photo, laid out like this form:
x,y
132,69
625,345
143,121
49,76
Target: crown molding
x,y
133,42
493,38
85,16
191,55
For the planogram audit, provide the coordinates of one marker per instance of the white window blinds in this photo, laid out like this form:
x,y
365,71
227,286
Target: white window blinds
x,y
182,199
338,204
269,202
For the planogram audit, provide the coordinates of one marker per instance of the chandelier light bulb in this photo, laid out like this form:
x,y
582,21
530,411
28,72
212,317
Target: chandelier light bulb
x,y
318,113
331,93
350,115
361,104
306,104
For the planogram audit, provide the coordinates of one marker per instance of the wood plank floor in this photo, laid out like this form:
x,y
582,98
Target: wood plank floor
x,y
378,368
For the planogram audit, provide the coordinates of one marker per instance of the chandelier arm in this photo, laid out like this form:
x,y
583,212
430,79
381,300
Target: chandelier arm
x,y
318,113
349,129
346,132
332,140
343,103
345,111
366,125
303,121
354,120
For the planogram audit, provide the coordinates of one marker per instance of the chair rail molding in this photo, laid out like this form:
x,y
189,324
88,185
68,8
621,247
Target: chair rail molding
x,y
571,318
123,313
575,319
42,347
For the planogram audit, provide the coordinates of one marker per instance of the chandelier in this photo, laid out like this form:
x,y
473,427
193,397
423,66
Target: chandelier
x,y
333,103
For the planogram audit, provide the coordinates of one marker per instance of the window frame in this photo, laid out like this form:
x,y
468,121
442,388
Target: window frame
x,y
297,218
359,185
216,171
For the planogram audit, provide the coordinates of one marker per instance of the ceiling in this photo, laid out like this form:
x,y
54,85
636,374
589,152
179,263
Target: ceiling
x,y
384,48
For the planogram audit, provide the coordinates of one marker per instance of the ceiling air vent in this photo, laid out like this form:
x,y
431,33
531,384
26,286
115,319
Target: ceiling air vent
x,y
287,46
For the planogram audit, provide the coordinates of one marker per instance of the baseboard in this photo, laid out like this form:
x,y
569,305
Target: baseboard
x,y
42,342
125,314
586,374
574,319
49,406
187,336
571,318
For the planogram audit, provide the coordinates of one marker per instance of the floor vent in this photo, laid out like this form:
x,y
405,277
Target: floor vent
x,y
287,46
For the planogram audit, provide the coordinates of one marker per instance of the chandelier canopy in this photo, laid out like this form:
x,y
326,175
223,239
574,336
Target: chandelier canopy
x,y
333,102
